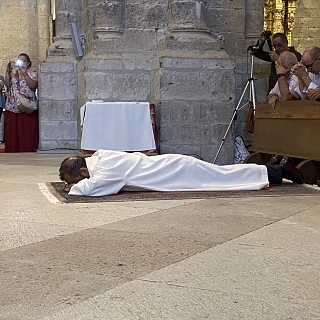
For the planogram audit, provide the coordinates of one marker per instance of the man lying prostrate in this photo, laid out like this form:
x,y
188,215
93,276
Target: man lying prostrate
x,y
107,172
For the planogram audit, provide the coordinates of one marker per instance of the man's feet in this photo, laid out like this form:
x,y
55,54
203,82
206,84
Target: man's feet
x,y
275,159
290,171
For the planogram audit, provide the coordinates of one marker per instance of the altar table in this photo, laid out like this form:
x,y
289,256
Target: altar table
x,y
121,126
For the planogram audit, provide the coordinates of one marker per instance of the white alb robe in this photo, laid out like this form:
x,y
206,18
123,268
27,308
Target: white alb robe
x,y
111,171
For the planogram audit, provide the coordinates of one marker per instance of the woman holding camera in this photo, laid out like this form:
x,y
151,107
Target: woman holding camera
x,y
22,129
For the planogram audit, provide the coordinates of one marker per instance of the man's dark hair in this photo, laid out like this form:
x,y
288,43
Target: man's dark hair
x,y
72,166
280,35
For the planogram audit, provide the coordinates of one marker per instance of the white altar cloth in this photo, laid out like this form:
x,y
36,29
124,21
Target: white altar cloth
x,y
120,126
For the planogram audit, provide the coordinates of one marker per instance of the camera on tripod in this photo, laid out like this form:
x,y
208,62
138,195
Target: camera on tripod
x,y
267,34
253,49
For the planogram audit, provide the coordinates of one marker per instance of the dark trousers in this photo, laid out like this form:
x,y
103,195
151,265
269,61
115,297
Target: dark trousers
x,y
274,173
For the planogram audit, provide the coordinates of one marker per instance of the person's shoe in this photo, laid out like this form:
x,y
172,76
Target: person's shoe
x,y
275,159
290,171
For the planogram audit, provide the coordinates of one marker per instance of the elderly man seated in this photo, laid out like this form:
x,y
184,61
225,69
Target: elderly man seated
x,y
308,72
107,172
285,88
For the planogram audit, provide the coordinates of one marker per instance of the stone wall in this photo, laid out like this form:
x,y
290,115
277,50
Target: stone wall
x,y
58,91
197,100
188,57
25,27
157,51
17,33
307,25
245,61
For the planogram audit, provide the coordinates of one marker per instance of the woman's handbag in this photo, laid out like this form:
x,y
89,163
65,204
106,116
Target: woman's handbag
x,y
27,105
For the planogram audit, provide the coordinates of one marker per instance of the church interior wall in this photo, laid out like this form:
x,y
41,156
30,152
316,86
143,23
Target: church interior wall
x,y
307,25
121,63
19,31
138,52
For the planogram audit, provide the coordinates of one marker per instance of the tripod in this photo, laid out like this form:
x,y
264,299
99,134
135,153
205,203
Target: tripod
x,y
251,102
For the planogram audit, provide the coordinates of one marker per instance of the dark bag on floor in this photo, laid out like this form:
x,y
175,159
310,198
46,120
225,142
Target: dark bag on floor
x,y
250,119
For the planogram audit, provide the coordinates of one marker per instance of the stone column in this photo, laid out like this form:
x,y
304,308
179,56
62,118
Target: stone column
x,y
104,21
253,24
67,11
58,83
254,16
188,15
187,28
192,84
109,19
44,13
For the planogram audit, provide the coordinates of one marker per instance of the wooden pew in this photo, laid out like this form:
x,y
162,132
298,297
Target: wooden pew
x,y
291,129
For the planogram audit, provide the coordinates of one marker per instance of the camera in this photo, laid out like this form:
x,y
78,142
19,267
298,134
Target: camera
x,y
253,49
19,63
267,34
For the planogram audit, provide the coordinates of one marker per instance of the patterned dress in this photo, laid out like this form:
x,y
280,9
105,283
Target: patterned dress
x,y
21,129
19,85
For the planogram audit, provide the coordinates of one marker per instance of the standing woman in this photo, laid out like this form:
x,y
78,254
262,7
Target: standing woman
x,y
21,129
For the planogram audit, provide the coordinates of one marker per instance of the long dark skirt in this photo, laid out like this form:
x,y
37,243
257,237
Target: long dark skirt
x,y
21,132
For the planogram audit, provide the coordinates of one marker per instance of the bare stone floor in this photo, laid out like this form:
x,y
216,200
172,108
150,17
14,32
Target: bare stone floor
x,y
224,258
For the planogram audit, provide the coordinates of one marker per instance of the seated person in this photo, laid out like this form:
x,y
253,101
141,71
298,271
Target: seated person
x,y
107,172
308,72
285,87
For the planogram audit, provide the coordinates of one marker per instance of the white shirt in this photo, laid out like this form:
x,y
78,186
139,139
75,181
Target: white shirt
x,y
293,83
315,83
111,171
315,80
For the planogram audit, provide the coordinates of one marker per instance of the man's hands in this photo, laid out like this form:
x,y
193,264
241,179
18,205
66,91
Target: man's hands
x,y
280,68
272,100
66,187
313,93
273,55
304,80
262,39
299,70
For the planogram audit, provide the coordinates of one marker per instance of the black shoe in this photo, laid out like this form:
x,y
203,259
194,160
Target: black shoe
x,y
275,159
290,171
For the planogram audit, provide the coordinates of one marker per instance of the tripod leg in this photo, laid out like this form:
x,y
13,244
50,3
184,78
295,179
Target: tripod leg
x,y
252,98
253,94
230,123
